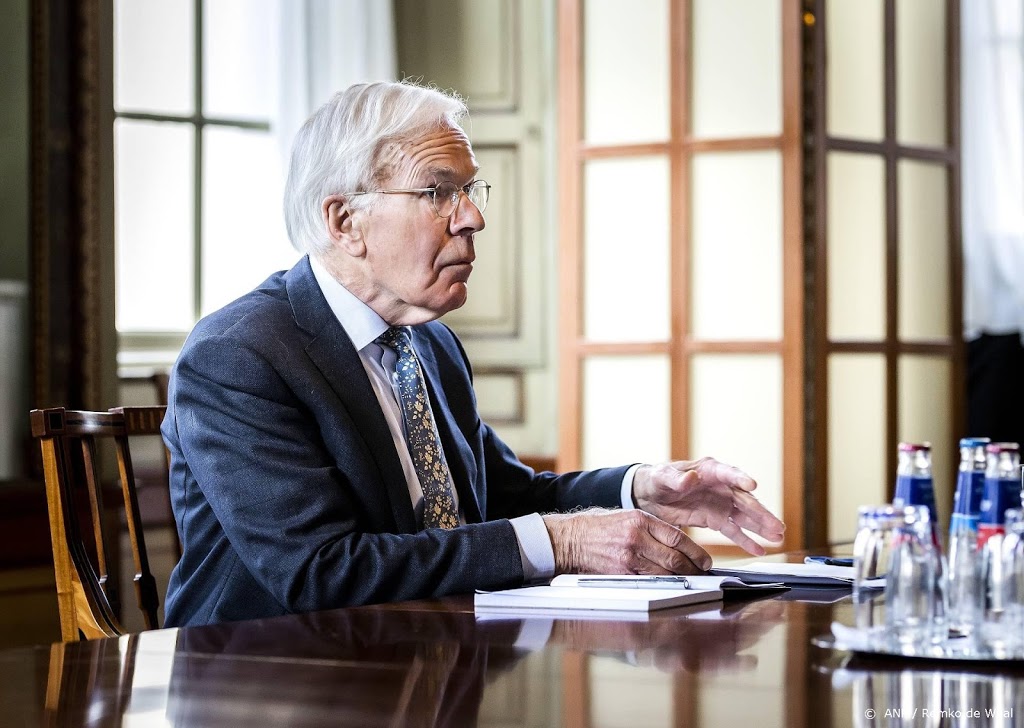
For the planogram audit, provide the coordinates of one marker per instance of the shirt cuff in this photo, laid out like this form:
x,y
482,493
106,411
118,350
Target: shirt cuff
x,y
626,496
534,547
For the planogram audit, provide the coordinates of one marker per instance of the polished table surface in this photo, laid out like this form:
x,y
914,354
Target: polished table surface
x,y
748,662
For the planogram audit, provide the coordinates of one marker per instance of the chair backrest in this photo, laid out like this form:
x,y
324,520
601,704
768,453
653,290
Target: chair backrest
x,y
86,593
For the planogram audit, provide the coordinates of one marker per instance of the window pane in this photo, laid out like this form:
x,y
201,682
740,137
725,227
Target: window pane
x,y
244,239
924,251
153,56
921,54
625,71
722,385
737,246
626,268
737,75
926,416
154,218
625,389
240,58
856,246
856,440
854,37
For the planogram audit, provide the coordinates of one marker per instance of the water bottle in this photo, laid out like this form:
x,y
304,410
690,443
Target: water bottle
x,y
1002,491
963,584
914,487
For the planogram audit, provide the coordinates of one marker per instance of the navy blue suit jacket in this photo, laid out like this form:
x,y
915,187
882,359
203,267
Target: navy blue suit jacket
x,y
286,486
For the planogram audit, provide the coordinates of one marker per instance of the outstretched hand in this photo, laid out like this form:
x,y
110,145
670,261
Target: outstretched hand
x,y
708,494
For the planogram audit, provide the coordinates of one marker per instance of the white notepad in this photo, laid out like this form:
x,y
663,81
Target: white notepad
x,y
627,598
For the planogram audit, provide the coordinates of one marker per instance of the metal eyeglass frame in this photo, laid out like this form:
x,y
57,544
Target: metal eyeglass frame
x,y
454,198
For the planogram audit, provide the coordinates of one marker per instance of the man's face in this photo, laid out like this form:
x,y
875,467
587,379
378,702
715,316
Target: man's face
x,y
417,264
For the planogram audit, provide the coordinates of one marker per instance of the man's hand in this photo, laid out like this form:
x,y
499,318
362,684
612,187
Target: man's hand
x,y
710,494
598,541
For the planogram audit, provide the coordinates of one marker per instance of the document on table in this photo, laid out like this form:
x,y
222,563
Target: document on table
x,y
796,574
625,595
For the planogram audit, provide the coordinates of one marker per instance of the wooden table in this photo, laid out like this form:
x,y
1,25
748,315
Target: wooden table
x,y
746,663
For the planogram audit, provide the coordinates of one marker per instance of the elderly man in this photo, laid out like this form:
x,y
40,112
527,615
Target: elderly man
x,y
325,441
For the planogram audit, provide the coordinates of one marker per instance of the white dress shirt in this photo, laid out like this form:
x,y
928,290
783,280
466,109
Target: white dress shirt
x,y
992,135
363,326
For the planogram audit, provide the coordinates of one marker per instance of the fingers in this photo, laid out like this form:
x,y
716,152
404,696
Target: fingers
x,y
738,536
751,515
771,529
669,542
711,471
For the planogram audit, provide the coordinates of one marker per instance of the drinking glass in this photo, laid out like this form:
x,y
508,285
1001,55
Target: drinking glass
x,y
877,527
913,617
1013,586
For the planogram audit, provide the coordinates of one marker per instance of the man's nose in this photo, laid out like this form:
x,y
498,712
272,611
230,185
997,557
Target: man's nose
x,y
467,218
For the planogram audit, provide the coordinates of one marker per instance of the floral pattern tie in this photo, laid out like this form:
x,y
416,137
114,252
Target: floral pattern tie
x,y
421,434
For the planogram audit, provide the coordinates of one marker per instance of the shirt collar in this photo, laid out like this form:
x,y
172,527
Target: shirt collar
x,y
361,323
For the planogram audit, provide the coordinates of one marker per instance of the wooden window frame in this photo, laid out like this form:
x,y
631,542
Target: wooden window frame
x,y
680,149
891,152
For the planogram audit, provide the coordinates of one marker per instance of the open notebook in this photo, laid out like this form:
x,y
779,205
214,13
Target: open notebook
x,y
632,596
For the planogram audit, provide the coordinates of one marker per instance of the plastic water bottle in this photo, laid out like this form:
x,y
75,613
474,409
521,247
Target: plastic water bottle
x,y
915,487
1002,491
963,584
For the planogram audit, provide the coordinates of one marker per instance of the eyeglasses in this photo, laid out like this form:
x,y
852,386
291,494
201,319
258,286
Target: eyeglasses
x,y
444,196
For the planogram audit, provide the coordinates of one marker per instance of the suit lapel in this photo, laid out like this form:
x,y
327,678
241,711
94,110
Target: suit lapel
x,y
334,354
456,449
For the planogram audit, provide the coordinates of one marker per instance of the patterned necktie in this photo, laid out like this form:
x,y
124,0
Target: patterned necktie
x,y
421,434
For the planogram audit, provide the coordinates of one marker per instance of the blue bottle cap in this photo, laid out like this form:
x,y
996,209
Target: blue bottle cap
x,y
974,441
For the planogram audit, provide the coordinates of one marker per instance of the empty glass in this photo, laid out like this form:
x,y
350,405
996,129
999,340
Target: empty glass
x,y
913,612
1013,585
877,527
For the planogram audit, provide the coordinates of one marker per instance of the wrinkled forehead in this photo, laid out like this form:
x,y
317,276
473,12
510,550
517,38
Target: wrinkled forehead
x,y
437,155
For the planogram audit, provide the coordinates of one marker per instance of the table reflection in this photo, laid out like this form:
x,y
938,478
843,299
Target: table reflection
x,y
438,664
892,693
380,667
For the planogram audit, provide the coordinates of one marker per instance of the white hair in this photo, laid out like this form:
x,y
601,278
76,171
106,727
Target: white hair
x,y
343,147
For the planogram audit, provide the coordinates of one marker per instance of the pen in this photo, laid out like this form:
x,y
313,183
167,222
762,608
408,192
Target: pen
x,y
829,560
649,582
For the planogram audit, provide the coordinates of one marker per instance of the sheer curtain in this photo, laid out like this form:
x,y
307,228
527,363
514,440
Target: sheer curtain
x,y
992,98
327,45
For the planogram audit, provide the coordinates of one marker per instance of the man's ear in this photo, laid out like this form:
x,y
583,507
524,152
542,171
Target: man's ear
x,y
341,226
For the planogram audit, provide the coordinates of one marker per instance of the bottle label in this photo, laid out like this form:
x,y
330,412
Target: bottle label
x,y
970,490
1000,494
916,491
987,531
960,523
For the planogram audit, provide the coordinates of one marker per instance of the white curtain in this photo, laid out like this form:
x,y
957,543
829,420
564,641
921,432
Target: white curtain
x,y
327,45
992,101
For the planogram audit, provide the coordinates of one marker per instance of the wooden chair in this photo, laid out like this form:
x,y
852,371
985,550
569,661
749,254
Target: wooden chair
x,y
86,593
